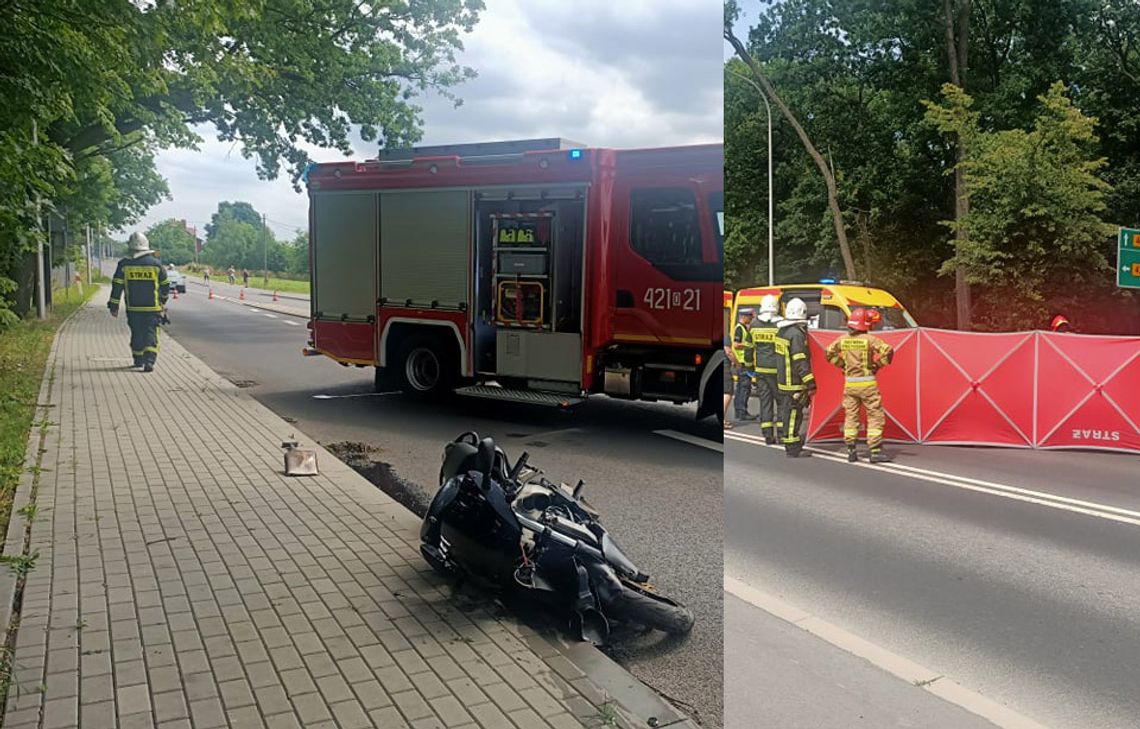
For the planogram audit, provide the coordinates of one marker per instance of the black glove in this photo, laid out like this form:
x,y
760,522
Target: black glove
x,y
113,308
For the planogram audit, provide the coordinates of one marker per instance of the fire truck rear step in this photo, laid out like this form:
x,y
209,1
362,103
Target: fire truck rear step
x,y
548,399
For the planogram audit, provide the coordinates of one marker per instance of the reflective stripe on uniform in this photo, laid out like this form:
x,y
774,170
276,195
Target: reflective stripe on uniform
x,y
864,378
868,383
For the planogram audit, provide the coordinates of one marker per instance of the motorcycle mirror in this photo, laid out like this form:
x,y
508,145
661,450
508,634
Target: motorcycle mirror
x,y
578,489
519,465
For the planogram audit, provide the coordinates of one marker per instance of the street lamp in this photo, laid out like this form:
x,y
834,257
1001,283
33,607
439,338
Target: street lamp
x,y
768,108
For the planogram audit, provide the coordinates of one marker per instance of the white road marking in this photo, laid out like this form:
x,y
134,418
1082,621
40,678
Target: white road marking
x,y
1041,498
359,394
712,445
290,323
557,431
892,663
253,309
271,316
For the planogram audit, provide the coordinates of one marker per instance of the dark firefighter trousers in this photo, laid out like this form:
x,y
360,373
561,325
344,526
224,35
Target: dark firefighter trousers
x,y
744,379
767,393
144,335
791,417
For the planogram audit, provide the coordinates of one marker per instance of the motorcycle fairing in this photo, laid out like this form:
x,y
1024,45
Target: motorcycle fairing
x,y
619,561
429,530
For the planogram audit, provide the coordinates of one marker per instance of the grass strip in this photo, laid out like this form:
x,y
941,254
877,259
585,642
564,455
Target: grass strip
x,y
23,354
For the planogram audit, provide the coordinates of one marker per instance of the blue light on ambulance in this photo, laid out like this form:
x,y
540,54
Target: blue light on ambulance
x,y
827,280
575,154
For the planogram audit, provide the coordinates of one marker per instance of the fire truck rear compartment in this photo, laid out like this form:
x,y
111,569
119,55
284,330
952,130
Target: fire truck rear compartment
x,y
528,292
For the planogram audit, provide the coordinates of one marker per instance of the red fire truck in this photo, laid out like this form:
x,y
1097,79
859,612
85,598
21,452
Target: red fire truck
x,y
537,270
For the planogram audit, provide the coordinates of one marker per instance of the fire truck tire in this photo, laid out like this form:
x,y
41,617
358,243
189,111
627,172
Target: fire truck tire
x,y
383,381
425,370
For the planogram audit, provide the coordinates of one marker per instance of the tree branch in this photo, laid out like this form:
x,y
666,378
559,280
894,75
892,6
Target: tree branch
x,y
829,179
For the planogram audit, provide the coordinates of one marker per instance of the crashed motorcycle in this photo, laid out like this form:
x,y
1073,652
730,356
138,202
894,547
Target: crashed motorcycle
x,y
508,527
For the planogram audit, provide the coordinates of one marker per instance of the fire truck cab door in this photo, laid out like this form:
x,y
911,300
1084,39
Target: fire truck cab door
x,y
670,274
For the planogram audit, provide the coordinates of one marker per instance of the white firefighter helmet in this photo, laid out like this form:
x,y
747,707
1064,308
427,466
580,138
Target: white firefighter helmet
x,y
769,305
796,310
138,243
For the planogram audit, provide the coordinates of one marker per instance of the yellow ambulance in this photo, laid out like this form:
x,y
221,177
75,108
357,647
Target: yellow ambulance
x,y
829,303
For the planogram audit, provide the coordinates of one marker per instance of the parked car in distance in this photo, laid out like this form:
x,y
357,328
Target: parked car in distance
x,y
175,278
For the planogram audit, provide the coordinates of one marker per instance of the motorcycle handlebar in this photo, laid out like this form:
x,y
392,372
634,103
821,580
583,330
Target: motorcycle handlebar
x,y
545,530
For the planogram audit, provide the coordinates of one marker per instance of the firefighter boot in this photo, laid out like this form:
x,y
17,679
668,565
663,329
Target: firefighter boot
x,y
877,456
852,453
797,452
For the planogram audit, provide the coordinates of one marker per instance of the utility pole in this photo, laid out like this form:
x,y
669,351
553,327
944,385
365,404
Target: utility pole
x,y
41,304
88,249
265,258
771,218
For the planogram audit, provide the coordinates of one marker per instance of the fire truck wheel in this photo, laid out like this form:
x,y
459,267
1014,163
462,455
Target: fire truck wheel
x,y
425,369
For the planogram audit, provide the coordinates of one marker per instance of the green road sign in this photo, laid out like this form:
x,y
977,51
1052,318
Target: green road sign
x,y
1128,259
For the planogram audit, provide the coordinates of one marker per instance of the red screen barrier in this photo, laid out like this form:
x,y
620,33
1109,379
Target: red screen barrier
x,y
1027,389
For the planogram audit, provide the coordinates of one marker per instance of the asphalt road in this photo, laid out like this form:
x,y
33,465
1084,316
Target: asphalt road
x,y
660,497
1034,606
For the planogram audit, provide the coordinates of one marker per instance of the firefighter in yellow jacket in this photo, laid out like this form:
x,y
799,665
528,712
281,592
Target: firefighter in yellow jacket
x,y
795,381
141,278
860,354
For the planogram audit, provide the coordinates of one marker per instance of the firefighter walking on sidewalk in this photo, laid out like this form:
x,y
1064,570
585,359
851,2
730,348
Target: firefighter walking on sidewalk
x,y
794,379
746,356
764,330
141,278
860,354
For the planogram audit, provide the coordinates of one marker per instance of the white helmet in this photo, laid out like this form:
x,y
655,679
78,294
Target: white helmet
x,y
769,305
138,243
796,310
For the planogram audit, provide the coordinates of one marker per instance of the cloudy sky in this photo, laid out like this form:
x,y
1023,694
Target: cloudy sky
x,y
618,73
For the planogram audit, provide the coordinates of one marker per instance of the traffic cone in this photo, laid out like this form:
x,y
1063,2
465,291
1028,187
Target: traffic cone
x,y
275,296
241,296
211,297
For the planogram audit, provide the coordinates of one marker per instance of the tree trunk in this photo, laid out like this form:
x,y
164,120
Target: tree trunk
x,y
957,47
832,197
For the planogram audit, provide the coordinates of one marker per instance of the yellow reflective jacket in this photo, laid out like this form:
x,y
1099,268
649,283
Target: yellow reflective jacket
x,y
143,281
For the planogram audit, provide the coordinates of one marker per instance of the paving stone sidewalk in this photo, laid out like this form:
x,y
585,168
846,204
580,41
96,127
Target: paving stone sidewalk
x,y
183,581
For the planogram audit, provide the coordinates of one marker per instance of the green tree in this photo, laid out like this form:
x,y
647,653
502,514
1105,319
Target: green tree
x,y
90,83
234,243
856,74
172,240
297,254
1036,200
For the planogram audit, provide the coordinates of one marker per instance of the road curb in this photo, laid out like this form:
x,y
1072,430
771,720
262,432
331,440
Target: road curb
x,y
584,669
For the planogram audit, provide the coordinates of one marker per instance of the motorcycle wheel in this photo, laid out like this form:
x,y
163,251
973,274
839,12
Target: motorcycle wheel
x,y
638,605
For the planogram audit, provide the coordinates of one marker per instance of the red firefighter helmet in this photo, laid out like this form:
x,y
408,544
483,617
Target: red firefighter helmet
x,y
860,320
1060,323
